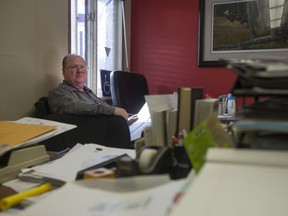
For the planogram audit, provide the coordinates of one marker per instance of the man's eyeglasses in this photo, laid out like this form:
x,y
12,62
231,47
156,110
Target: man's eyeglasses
x,y
77,67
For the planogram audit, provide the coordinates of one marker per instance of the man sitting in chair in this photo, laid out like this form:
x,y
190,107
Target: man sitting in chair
x,y
73,97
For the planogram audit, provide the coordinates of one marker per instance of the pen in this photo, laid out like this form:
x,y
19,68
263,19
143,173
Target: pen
x,y
12,200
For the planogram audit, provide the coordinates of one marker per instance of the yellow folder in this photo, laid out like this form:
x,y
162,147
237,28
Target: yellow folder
x,y
13,134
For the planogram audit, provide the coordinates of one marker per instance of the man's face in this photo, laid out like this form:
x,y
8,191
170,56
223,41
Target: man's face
x,y
75,71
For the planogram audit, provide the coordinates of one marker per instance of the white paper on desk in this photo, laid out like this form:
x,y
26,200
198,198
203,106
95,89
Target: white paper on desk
x,y
60,128
66,168
143,121
137,134
77,199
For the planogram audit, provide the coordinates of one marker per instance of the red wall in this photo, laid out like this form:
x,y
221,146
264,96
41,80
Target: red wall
x,y
164,47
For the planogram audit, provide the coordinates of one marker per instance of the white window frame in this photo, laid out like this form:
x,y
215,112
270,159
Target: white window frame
x,y
91,46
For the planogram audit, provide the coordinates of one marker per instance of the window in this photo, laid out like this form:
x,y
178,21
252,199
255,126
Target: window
x,y
96,34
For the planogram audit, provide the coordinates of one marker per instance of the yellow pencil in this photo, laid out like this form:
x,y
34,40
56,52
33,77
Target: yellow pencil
x,y
12,200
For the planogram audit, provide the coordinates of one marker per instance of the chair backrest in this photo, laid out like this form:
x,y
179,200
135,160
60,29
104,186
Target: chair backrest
x,y
42,107
128,90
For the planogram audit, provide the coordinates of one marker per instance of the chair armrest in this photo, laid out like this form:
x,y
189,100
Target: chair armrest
x,y
112,131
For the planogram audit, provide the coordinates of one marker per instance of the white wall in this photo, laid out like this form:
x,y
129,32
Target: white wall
x,y
33,41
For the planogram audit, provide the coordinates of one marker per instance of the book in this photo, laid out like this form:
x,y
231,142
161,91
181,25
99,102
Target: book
x,y
160,107
186,107
203,108
171,118
159,125
164,126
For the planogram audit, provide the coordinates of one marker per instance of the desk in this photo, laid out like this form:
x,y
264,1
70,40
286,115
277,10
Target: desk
x,y
66,168
233,182
17,186
142,195
6,191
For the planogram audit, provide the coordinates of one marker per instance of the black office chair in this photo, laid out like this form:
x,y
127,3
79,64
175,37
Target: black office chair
x,y
128,90
112,131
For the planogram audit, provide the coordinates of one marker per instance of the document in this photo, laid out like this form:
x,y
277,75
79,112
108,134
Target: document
x,y
16,133
143,121
154,104
84,156
28,131
124,196
60,127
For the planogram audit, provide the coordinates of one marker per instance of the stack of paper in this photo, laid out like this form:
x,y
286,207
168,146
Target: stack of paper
x,y
263,124
28,131
260,76
79,158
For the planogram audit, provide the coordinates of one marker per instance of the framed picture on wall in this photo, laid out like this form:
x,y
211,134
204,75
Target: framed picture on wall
x,y
242,29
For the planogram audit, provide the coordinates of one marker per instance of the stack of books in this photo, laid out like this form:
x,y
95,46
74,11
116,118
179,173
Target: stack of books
x,y
263,124
260,76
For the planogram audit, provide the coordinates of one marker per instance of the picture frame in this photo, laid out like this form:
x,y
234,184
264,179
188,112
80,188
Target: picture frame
x,y
241,29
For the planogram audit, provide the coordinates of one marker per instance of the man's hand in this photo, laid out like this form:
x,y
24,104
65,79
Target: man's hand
x,y
121,112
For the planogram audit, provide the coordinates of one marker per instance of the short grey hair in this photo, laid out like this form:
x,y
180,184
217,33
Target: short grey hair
x,y
65,59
